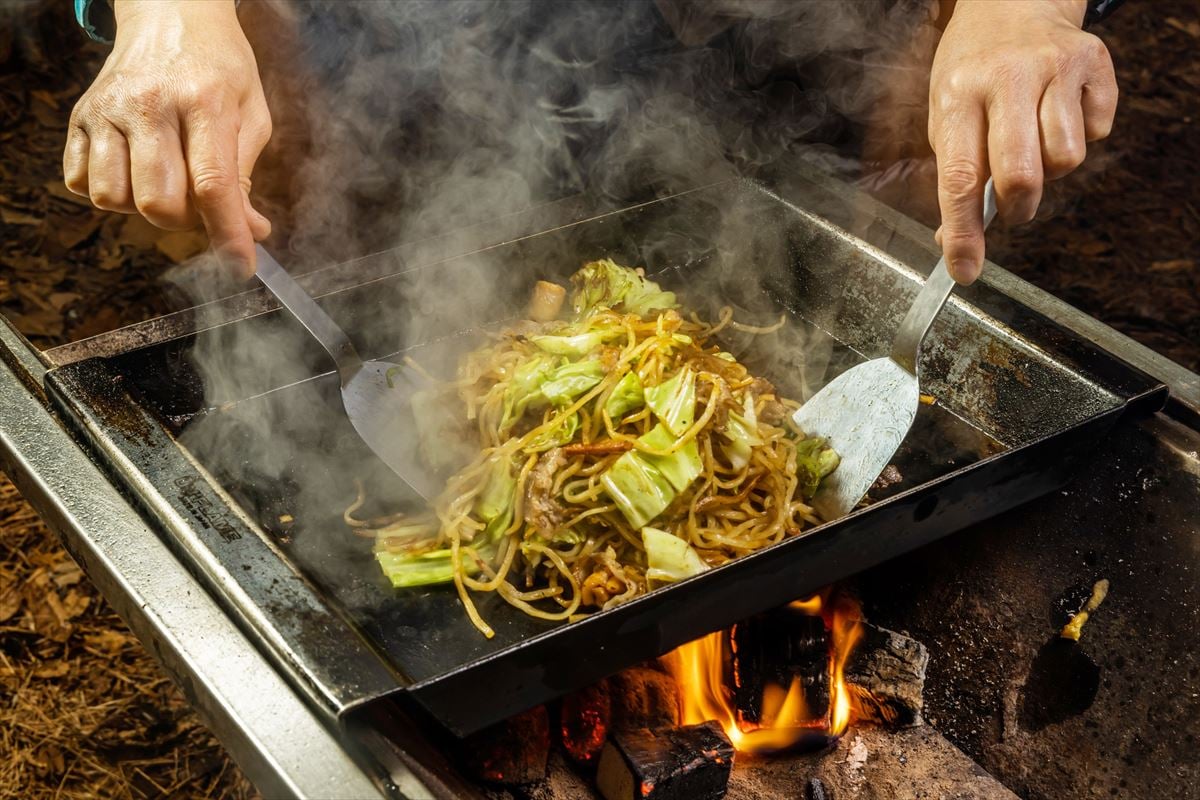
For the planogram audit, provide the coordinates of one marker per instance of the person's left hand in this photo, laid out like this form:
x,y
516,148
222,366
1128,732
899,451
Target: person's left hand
x,y
1017,91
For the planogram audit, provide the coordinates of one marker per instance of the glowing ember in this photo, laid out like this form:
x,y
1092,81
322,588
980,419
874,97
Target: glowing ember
x,y
701,669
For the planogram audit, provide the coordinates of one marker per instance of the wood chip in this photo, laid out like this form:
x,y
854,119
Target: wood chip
x,y
1191,27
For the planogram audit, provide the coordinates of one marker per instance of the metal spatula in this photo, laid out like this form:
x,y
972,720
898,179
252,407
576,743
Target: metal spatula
x,y
377,394
865,413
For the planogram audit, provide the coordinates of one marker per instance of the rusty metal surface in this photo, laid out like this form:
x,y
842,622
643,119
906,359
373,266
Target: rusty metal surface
x,y
1019,400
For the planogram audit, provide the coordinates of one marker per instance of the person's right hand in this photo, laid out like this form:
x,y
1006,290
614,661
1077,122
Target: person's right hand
x,y
173,124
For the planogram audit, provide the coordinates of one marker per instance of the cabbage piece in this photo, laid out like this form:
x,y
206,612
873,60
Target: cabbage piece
x,y
569,381
626,396
638,488
674,401
496,500
523,388
814,460
670,558
422,569
576,346
561,434
606,284
741,430
681,467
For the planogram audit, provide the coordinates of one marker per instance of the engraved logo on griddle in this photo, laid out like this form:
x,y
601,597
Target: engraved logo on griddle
x,y
202,509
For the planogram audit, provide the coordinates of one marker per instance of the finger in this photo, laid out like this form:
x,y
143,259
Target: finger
x,y
960,145
260,226
1015,157
211,148
1060,117
160,178
1099,100
108,170
252,138
75,160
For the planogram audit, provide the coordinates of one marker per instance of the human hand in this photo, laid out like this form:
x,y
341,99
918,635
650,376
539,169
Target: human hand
x,y
1016,92
173,124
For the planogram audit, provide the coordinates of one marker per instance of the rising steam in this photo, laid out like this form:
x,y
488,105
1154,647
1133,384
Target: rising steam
x,y
397,122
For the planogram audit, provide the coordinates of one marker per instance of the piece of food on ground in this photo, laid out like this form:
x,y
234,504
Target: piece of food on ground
x,y
1074,629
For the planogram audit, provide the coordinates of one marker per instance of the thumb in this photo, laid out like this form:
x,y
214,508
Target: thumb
x,y
252,138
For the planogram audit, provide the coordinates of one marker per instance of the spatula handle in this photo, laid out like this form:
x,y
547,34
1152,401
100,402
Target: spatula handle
x,y
293,297
933,295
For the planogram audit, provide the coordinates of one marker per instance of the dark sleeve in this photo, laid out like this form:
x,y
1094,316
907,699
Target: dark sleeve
x,y
1098,10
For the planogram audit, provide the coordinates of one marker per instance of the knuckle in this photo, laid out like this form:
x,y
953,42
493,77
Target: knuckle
x,y
212,186
205,97
147,98
1095,50
960,178
1070,155
1022,179
1101,128
108,198
158,206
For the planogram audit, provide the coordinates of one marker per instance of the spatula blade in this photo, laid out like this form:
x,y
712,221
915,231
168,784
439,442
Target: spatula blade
x,y
864,414
379,403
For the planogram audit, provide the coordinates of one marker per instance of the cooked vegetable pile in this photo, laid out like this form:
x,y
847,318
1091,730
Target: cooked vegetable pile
x,y
616,450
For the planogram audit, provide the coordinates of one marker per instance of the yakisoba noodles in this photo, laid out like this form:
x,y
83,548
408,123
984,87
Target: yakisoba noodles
x,y
614,450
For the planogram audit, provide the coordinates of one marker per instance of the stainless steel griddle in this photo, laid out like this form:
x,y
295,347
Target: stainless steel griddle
x,y
1021,400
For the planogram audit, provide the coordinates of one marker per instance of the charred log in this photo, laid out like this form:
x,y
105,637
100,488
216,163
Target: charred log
x,y
510,752
643,698
887,672
689,763
775,648
584,721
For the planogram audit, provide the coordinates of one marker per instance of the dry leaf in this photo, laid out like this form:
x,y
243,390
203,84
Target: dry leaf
x,y
60,300
74,604
10,603
13,217
55,669
66,573
107,640
110,258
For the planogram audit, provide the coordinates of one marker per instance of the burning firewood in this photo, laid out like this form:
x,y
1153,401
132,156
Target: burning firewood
x,y
689,763
639,697
643,698
584,721
887,673
775,648
510,752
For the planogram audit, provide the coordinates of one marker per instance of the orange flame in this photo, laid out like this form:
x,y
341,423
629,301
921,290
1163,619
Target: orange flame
x,y
699,668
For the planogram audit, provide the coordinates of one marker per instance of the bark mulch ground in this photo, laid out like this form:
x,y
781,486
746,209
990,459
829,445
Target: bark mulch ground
x,y
84,712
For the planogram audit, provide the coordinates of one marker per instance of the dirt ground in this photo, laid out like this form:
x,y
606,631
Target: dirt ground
x,y
84,712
